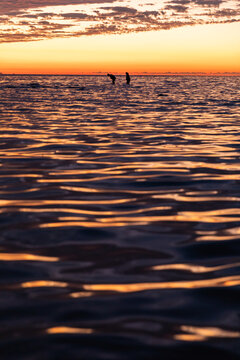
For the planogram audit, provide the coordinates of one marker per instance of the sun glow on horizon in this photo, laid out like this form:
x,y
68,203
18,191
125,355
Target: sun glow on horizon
x,y
188,49
118,36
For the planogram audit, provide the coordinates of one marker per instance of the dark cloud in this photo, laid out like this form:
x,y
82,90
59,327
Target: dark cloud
x,y
177,8
208,3
13,6
77,16
179,2
120,10
226,13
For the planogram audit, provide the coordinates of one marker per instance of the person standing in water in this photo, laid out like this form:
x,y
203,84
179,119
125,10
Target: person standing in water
x,y
112,77
128,79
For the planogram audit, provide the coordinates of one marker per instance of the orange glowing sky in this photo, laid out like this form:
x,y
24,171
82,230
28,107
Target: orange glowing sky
x,y
91,36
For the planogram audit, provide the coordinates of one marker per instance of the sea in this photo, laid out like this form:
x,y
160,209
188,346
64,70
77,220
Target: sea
x,y
119,218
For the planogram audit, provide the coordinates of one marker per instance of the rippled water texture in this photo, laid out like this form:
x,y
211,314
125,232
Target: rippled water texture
x,y
120,218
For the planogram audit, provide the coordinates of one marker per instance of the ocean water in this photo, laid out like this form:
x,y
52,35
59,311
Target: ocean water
x,y
119,218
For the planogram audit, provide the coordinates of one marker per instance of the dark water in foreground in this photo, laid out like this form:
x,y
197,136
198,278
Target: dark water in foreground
x,y
119,218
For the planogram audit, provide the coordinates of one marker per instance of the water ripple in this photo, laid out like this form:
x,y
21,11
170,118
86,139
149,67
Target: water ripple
x,y
119,217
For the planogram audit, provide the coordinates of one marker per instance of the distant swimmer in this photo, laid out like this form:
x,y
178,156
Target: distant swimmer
x,y
112,77
128,79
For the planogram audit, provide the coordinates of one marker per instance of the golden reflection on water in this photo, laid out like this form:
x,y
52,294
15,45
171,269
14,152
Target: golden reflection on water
x,y
197,284
211,216
193,268
107,190
195,177
183,198
141,220
81,294
216,238
194,333
2,192
26,257
43,283
61,202
88,224
233,231
226,234
87,290
92,179
172,172
21,175
91,212
189,337
68,330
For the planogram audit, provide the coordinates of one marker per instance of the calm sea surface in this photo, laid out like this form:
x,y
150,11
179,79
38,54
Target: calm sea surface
x,y
119,218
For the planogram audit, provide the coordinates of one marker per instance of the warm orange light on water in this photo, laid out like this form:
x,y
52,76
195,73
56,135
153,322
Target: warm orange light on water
x,y
43,283
87,290
196,269
26,257
68,330
129,288
195,333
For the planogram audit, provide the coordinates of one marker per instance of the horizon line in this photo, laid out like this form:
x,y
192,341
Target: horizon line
x,y
100,73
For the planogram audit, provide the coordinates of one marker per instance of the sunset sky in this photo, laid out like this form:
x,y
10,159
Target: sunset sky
x,y
91,36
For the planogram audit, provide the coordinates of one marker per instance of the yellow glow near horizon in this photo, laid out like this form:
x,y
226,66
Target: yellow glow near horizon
x,y
200,48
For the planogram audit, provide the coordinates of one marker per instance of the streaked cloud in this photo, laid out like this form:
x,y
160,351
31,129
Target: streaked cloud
x,y
31,20
13,6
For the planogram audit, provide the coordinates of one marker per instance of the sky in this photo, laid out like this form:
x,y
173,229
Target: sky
x,y
138,36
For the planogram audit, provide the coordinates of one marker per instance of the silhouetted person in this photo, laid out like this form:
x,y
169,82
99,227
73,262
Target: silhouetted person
x,y
128,79
112,77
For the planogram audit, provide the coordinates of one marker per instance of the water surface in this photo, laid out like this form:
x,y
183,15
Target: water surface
x,y
119,217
